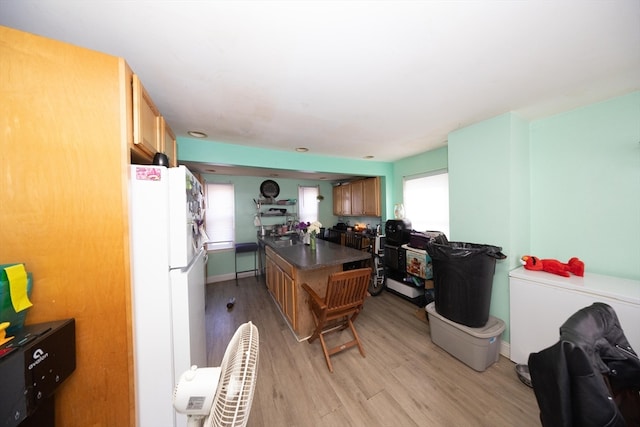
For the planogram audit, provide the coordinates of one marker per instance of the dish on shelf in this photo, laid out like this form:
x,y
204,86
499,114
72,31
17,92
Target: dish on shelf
x,y
269,188
274,212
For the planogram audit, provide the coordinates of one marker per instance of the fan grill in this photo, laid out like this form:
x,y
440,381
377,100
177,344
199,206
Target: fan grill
x,y
232,403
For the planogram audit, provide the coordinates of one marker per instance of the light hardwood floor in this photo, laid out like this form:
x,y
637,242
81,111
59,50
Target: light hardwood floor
x,y
404,380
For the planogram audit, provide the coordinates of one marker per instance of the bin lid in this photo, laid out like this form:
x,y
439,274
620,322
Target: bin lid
x,y
493,328
462,250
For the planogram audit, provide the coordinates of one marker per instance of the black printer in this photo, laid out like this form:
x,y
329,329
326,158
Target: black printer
x,y
32,366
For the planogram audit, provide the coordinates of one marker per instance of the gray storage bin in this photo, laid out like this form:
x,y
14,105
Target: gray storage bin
x,y
478,348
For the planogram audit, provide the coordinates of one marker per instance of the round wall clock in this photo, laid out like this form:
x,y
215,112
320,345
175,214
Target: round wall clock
x,y
269,188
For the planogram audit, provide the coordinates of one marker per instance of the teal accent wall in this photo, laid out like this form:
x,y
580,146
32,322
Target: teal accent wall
x,y
585,186
563,186
489,194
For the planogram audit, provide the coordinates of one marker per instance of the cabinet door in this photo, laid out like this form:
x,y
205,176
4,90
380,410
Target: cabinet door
x,y
357,197
168,144
280,287
342,199
146,121
290,299
337,200
371,197
346,199
269,267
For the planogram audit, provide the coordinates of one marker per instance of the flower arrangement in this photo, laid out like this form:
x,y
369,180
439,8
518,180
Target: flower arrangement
x,y
302,226
314,228
308,232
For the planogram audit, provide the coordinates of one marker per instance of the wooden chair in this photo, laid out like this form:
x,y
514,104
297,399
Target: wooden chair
x,y
332,236
361,243
346,291
353,240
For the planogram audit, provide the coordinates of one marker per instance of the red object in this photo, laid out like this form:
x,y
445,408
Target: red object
x,y
574,266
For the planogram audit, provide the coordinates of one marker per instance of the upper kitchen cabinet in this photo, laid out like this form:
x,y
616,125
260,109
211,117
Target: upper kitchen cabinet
x,y
357,198
168,143
342,199
148,136
371,197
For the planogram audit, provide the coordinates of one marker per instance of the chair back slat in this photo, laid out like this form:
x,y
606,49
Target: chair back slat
x,y
355,241
347,289
332,236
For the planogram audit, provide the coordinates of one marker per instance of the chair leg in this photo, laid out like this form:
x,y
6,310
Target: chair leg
x,y
357,338
330,352
317,333
327,356
318,322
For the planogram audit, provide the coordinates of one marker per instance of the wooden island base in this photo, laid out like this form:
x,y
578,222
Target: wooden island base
x,y
288,267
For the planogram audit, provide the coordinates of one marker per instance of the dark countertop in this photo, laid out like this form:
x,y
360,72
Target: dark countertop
x,y
303,258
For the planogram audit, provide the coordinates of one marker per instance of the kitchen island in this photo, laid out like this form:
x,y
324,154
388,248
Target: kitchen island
x,y
290,263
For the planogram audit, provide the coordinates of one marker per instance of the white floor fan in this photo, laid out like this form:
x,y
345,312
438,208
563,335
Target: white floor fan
x,y
222,396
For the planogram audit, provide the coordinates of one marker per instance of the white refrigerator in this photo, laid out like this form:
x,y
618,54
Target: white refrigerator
x,y
168,276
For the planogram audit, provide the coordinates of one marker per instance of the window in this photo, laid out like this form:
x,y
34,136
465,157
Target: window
x,y
308,203
220,215
426,202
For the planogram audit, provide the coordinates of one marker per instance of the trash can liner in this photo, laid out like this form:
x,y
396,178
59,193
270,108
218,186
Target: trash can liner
x,y
462,249
463,280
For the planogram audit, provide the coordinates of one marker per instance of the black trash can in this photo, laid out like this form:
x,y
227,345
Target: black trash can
x,y
463,278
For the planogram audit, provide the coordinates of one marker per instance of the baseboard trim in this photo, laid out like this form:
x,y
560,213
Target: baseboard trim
x,y
505,349
229,276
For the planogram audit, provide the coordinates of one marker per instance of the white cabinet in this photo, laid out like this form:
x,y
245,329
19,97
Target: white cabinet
x,y
541,302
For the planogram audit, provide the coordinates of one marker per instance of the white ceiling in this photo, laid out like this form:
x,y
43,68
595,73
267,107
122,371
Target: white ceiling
x,y
353,78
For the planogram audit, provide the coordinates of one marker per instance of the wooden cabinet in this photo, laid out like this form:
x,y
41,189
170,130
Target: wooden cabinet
x,y
281,284
151,133
342,199
290,299
70,104
168,144
357,198
147,139
337,200
371,197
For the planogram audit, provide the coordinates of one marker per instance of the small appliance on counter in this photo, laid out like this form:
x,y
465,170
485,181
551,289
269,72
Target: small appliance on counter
x,y
32,367
397,231
342,226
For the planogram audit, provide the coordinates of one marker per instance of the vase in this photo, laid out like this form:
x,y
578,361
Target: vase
x,y
398,211
312,242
